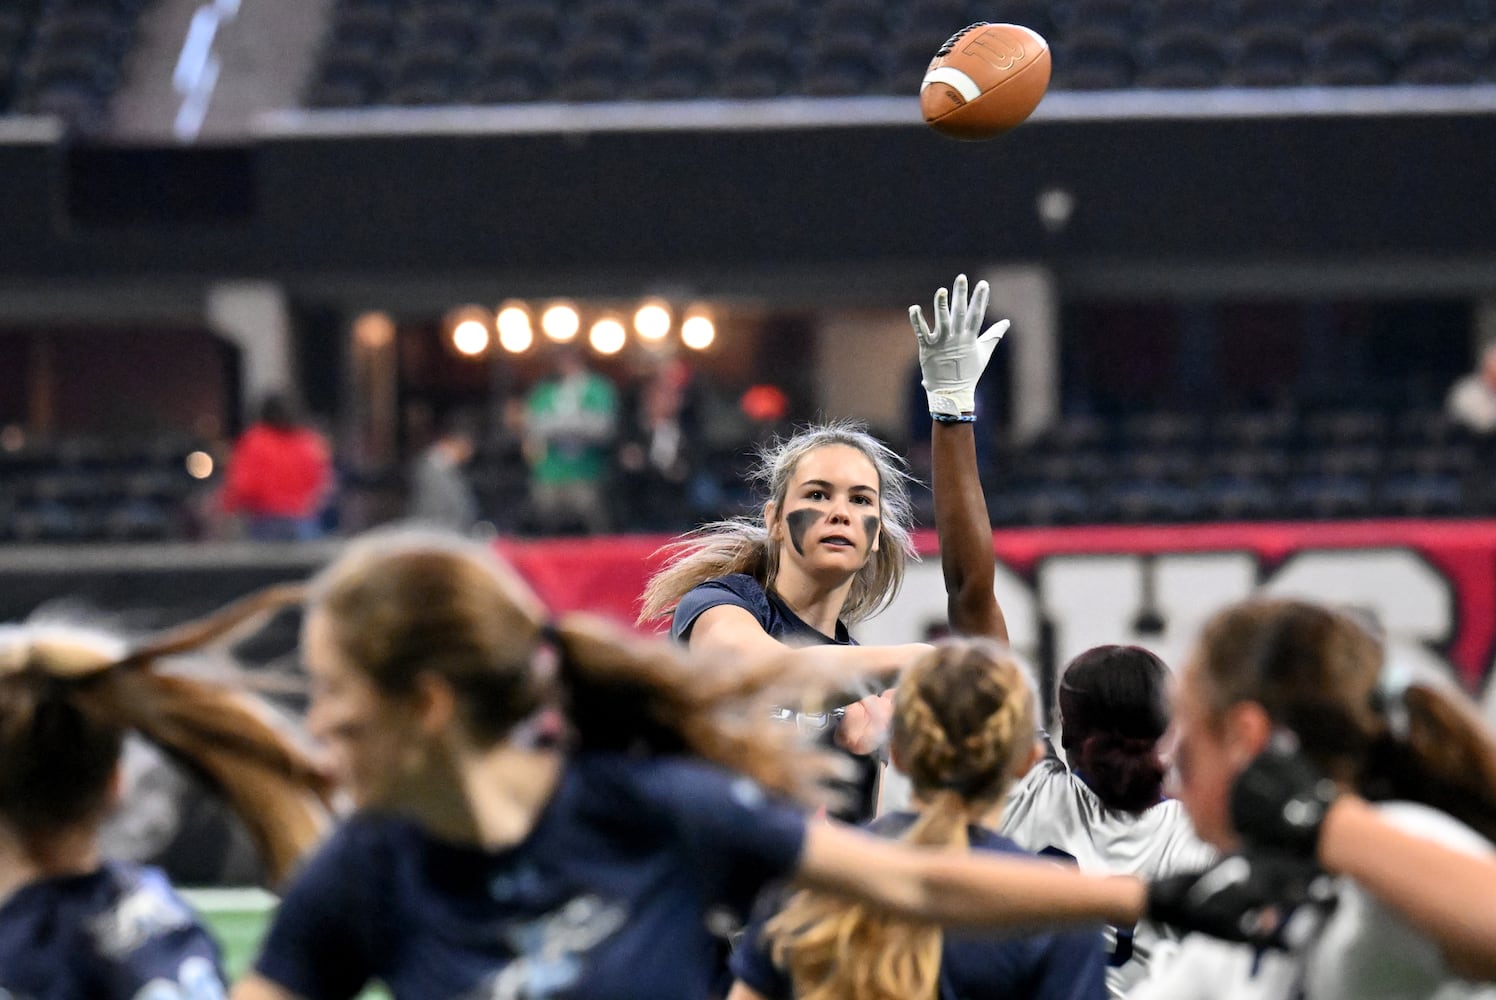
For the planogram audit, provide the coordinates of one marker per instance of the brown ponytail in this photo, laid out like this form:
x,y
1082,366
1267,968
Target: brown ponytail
x,y
627,692
1319,672
1445,758
224,733
401,604
964,721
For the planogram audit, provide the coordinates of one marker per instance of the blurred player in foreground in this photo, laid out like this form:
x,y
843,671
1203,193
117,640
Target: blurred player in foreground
x,y
1387,928
489,861
75,925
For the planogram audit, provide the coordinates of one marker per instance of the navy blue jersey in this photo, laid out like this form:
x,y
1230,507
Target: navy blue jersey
x,y
119,933
609,897
1068,965
742,591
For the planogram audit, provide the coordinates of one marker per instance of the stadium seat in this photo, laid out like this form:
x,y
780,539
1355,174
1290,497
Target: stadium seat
x,y
1438,54
1344,428
843,67
771,17
363,32
1324,497
677,68
699,21
1421,496
1161,430
347,78
1177,15
758,66
441,29
866,20
1351,55
598,69
940,18
1269,57
1183,58
1119,18
608,20
1073,433
1095,59
1274,15
536,23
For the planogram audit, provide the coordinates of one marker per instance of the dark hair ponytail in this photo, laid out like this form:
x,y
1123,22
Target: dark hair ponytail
x,y
1125,774
627,692
1439,754
1113,709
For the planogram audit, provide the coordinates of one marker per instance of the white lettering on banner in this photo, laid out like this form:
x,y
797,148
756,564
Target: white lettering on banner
x,y
1411,601
1087,600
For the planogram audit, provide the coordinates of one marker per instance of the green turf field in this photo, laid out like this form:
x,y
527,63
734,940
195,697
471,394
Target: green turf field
x,y
238,917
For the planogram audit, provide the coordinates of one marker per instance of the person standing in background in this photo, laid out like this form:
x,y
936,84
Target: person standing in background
x,y
1472,400
440,494
656,451
570,421
279,476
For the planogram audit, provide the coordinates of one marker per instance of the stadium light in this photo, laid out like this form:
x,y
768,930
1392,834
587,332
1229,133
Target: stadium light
x,y
698,332
607,336
516,334
560,322
199,465
652,321
470,337
373,330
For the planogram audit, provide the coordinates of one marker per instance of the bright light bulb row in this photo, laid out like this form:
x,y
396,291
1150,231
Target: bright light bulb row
x,y
561,322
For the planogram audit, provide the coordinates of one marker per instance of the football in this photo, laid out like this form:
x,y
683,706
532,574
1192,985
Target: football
x,y
986,79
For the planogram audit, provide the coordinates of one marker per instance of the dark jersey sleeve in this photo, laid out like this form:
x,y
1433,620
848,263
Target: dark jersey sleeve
x,y
150,935
323,941
1073,968
186,957
751,962
738,590
740,837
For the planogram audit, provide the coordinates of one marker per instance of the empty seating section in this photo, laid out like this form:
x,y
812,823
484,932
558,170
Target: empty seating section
x,y
86,489
424,52
1248,466
64,57
1163,468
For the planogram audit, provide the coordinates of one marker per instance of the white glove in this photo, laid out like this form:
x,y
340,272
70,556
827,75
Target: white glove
x,y
953,357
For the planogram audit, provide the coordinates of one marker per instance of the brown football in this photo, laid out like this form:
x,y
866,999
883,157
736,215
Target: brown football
x,y
985,80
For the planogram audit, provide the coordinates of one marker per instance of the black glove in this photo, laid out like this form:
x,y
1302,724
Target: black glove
x,y
1265,900
1280,801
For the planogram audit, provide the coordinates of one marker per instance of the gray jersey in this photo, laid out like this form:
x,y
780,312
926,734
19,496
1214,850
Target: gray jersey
x,y
1053,812
1363,951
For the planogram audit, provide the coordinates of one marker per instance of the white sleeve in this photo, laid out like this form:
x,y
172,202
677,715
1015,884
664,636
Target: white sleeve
x,y
1366,950
1192,970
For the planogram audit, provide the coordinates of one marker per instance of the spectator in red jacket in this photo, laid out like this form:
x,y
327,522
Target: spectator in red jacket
x,y
278,476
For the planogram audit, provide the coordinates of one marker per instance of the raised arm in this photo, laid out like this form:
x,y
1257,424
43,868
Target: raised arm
x,y
952,357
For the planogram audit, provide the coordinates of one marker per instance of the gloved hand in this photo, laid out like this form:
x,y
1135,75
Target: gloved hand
x,y
1266,900
1280,801
953,356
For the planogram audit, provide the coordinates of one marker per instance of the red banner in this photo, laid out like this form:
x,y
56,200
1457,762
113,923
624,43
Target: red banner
x,y
1431,584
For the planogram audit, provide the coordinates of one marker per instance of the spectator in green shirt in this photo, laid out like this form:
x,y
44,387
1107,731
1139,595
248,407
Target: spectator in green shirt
x,y
570,422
